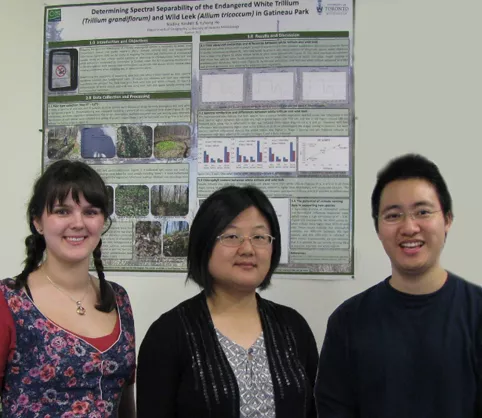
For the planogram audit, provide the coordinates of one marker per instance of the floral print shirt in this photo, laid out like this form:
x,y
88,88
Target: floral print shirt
x,y
53,373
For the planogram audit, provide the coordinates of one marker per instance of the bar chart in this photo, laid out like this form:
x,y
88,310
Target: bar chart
x,y
281,154
209,159
247,154
214,154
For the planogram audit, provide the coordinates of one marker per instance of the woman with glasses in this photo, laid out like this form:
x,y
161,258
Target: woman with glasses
x,y
227,352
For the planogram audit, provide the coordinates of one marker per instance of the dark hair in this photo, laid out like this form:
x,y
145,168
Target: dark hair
x,y
213,216
54,185
411,166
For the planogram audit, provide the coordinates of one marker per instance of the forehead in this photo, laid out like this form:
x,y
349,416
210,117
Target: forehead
x,y
408,193
249,218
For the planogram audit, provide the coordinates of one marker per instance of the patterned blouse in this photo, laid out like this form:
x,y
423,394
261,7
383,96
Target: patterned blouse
x,y
251,368
53,373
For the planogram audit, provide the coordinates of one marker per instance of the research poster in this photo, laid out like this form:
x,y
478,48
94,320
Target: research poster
x,y
170,101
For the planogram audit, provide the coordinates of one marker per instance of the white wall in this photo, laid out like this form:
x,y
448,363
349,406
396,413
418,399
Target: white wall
x,y
417,88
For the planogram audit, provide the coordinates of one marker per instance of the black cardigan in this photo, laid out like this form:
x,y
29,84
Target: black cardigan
x,y
184,373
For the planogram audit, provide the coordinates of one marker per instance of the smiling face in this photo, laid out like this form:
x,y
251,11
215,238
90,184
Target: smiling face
x,y
244,267
413,246
72,230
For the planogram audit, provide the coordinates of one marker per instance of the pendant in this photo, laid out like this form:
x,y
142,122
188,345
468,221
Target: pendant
x,y
80,309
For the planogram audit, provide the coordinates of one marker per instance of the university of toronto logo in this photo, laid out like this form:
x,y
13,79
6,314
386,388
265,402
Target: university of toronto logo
x,y
319,6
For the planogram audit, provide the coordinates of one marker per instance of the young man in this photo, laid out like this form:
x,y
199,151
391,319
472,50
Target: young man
x,y
411,346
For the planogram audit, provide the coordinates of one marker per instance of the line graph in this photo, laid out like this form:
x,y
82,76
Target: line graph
x,y
273,86
222,88
323,153
319,85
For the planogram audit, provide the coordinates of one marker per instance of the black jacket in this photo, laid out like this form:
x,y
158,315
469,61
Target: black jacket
x,y
184,373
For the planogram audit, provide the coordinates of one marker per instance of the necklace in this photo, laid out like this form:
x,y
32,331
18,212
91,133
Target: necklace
x,y
80,308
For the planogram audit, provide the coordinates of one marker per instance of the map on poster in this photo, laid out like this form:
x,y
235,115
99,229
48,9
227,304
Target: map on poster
x,y
169,101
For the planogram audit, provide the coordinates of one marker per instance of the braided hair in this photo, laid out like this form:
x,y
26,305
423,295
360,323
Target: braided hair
x,y
54,185
35,247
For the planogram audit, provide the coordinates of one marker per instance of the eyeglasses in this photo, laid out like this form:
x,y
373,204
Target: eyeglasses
x,y
417,215
235,240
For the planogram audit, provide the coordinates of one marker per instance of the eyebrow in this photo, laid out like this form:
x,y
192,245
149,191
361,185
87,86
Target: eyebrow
x,y
415,205
66,205
254,227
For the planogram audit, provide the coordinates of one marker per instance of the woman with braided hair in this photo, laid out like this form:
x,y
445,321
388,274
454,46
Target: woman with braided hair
x,y
67,344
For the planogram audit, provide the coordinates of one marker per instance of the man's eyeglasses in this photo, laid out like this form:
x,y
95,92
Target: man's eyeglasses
x,y
392,217
235,240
